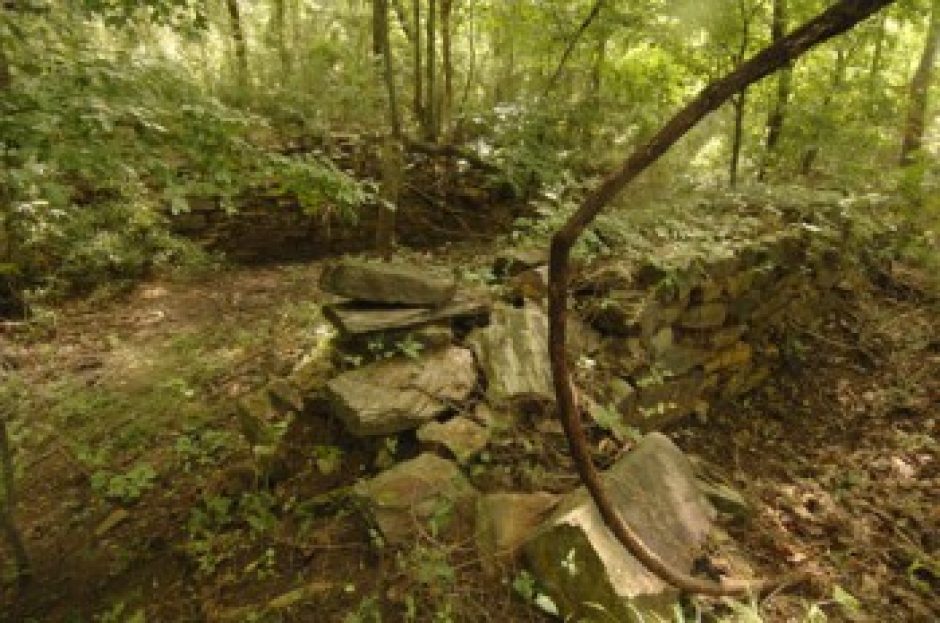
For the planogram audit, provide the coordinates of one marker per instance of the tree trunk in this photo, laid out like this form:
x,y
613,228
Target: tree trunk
x,y
920,86
418,67
8,508
739,102
777,114
280,35
240,45
838,77
5,78
430,102
391,150
447,100
839,18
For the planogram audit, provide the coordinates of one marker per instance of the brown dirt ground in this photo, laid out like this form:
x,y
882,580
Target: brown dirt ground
x,y
838,455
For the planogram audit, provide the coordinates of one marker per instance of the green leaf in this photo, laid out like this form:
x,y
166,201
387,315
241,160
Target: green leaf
x,y
846,600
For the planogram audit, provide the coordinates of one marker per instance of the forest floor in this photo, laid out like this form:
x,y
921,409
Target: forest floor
x,y
130,465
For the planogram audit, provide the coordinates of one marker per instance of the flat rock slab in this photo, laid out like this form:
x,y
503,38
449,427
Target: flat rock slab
x,y
400,394
408,495
513,352
386,282
581,563
358,318
461,436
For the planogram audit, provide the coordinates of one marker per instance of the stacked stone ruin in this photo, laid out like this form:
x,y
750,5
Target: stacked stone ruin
x,y
655,339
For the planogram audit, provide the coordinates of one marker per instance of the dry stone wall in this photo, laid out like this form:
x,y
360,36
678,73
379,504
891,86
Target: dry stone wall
x,y
682,329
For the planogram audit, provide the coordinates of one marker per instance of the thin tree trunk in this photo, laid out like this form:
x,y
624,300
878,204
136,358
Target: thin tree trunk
x,y
391,149
280,34
739,102
915,123
430,102
572,43
839,18
418,67
5,77
838,77
777,116
241,46
447,104
8,508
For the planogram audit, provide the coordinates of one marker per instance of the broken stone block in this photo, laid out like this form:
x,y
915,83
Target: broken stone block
x,y
359,318
513,353
505,521
737,356
410,494
531,284
401,393
679,359
631,313
461,436
661,401
386,282
705,316
582,565
258,417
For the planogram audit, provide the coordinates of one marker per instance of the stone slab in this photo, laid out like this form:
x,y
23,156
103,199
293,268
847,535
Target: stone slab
x,y
582,565
400,394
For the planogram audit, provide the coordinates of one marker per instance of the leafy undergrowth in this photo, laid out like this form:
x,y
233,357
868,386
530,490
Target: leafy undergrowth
x,y
138,502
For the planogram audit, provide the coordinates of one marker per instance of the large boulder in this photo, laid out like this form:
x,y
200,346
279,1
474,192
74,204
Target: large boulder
x,y
384,282
401,393
409,495
582,565
513,352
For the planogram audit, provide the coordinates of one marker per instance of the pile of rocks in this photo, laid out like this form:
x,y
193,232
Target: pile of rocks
x,y
449,391
669,339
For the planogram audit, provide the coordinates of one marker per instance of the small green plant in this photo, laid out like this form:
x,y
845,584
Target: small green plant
x,y
328,459
265,566
368,611
206,522
127,487
608,418
526,586
203,448
120,613
257,509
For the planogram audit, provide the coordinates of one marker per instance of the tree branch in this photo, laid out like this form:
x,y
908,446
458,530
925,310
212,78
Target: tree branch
x,y
569,49
839,18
